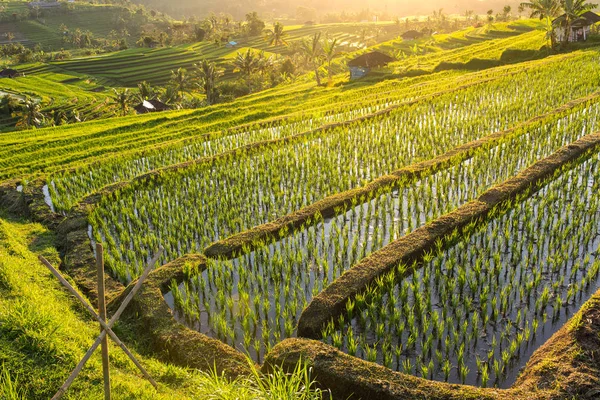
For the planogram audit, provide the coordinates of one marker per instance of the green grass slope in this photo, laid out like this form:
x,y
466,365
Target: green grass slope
x,y
44,333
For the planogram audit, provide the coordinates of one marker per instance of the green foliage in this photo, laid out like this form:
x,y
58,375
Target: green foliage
x,y
9,386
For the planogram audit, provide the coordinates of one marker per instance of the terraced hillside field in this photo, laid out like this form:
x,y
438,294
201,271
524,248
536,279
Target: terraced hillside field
x,y
430,230
127,68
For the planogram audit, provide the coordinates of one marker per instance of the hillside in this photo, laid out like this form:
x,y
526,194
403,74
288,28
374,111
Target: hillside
x,y
45,27
307,8
427,231
81,87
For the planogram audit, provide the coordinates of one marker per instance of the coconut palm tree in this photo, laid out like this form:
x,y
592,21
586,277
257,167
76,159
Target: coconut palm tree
x,y
170,96
572,11
121,98
207,76
58,117
330,52
544,9
264,63
8,105
145,91
275,36
180,81
313,53
30,116
246,63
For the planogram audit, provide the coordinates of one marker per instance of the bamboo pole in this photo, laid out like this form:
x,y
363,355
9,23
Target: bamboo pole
x,y
102,314
107,326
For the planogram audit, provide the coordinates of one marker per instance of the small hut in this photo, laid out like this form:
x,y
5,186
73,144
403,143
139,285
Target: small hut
x,y
148,106
580,28
9,73
411,35
362,65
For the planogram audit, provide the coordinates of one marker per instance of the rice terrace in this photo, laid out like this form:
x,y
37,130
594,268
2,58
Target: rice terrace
x,y
291,200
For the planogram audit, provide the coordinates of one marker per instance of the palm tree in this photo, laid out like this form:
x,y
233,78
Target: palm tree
x,y
121,100
30,116
58,117
180,81
572,11
312,51
330,51
264,63
545,9
145,91
276,35
207,75
8,105
469,15
170,96
246,63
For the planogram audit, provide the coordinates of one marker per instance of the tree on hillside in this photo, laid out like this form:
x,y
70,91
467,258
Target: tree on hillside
x,y
58,117
170,96
330,51
120,99
490,17
8,105
145,91
30,115
180,81
469,15
246,63
506,13
545,9
313,54
207,79
254,24
572,11
275,36
264,64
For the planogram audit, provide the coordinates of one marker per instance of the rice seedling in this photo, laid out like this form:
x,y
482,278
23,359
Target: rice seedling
x,y
497,318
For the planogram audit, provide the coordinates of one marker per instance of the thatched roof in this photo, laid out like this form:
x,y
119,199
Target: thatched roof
x,y
371,60
9,72
586,19
411,35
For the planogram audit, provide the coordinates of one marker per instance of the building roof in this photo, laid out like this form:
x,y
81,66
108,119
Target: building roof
x,y
150,106
371,60
9,72
412,34
586,19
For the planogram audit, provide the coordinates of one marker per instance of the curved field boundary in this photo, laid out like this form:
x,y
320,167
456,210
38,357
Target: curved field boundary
x,y
331,206
73,229
152,321
167,120
158,174
565,367
412,247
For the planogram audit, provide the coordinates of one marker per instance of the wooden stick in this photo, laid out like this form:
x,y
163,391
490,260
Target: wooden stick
x,y
107,326
102,314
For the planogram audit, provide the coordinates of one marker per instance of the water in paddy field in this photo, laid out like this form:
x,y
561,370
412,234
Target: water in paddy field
x,y
315,256
307,274
533,246
48,198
